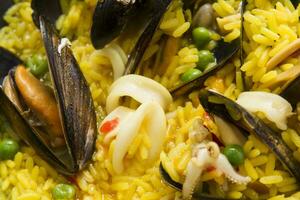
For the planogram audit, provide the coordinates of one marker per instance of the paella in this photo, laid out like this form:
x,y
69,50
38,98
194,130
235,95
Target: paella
x,y
149,99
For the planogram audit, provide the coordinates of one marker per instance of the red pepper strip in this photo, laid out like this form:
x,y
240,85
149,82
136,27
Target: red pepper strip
x,y
72,179
210,168
207,116
109,125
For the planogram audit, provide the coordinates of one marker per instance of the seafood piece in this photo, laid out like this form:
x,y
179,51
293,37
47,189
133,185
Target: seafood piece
x,y
178,186
204,16
5,5
71,116
109,20
158,8
117,57
273,106
140,88
126,123
33,92
23,130
136,20
222,52
227,109
205,154
7,62
51,9
150,115
229,134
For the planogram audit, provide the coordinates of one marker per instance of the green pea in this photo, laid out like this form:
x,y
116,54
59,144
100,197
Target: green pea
x,y
234,154
63,192
8,149
205,57
201,36
38,65
190,75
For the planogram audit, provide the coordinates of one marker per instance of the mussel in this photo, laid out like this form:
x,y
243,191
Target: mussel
x,y
222,52
136,20
157,11
47,8
227,109
65,138
109,20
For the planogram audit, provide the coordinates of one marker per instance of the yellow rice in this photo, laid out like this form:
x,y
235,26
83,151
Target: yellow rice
x,y
268,27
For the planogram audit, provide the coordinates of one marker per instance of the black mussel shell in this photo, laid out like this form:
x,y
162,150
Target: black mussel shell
x,y
4,6
8,60
178,186
155,11
25,132
76,110
135,20
74,98
109,20
51,9
223,52
226,108
291,92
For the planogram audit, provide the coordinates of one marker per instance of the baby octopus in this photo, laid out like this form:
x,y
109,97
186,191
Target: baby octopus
x,y
206,154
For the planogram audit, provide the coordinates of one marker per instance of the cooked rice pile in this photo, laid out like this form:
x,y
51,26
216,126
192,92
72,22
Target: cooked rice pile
x,y
268,27
27,176
176,57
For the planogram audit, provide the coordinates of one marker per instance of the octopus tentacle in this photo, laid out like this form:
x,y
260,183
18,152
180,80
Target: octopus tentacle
x,y
192,178
204,155
223,165
213,149
196,166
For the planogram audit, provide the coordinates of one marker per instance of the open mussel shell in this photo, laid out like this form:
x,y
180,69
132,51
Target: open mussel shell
x,y
135,20
109,20
178,186
155,12
73,96
25,132
75,108
8,60
225,108
51,9
223,52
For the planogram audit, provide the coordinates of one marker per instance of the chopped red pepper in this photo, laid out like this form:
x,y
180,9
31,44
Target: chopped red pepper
x,y
210,168
207,116
73,180
109,125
